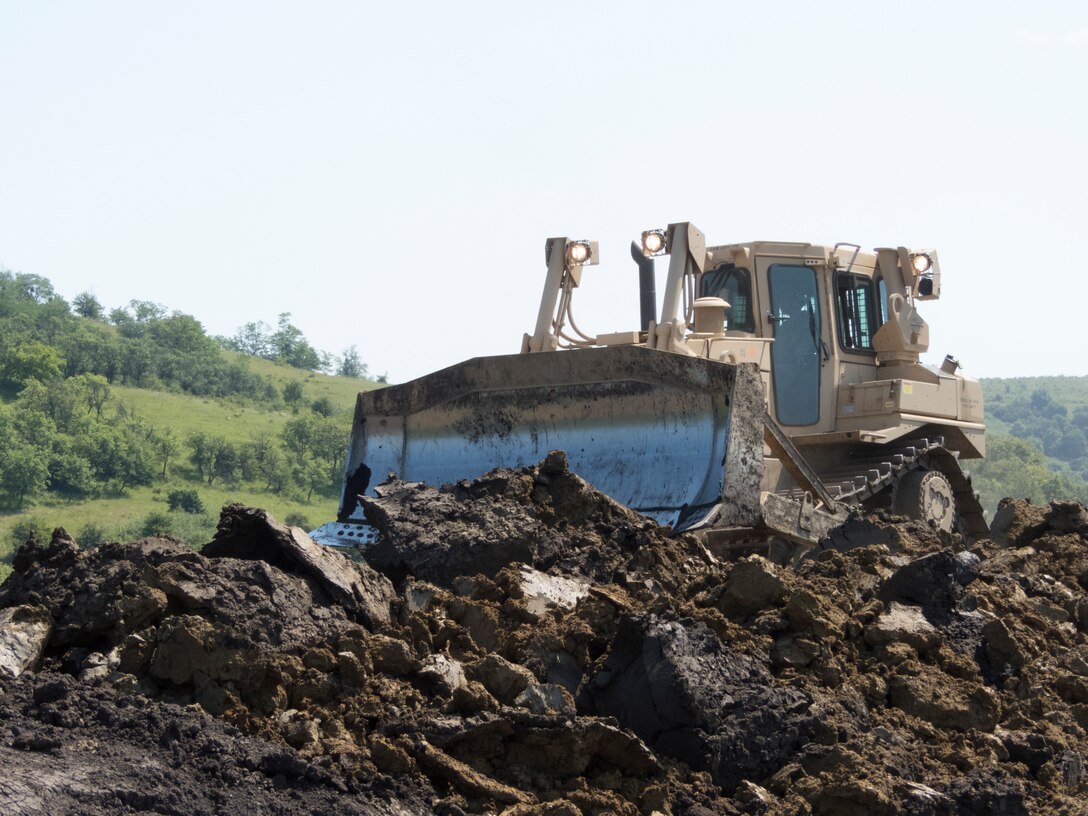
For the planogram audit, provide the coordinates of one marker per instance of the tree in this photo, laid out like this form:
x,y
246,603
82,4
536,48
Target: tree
x,y
70,474
350,365
97,391
254,339
24,471
87,305
201,452
165,446
212,455
323,406
31,361
187,501
290,346
293,394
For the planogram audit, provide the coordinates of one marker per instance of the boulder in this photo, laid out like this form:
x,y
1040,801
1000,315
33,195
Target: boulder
x,y
24,632
546,698
252,534
543,593
503,679
902,623
930,582
678,688
753,584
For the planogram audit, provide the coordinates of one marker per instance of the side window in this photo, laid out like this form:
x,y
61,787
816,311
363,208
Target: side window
x,y
859,317
882,300
734,285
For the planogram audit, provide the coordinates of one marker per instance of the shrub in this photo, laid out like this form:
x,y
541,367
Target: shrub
x,y
297,520
323,406
30,526
188,501
157,523
91,535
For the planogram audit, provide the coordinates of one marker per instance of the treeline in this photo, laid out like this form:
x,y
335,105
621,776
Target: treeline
x,y
1017,468
286,344
1060,433
72,438
62,430
42,340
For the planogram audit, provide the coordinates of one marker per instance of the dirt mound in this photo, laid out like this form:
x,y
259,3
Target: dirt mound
x,y
521,644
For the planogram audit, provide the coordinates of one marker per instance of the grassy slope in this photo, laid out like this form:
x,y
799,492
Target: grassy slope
x,y
239,422
183,413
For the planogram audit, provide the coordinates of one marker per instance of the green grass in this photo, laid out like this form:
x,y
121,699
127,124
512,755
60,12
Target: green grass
x,y
121,515
341,390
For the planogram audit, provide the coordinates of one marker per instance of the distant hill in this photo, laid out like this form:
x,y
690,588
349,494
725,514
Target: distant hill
x,y
141,423
1037,439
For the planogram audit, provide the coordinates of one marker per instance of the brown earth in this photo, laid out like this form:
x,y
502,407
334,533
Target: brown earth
x,y
521,644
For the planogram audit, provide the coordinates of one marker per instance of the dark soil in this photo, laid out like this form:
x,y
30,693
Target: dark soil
x,y
521,644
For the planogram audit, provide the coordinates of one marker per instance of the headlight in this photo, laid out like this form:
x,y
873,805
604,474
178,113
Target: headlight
x,y
921,263
653,242
578,252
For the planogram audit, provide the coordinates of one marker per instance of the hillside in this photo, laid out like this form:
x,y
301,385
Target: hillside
x,y
144,424
1037,446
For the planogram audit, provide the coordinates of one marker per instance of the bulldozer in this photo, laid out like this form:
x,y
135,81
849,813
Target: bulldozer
x,y
776,395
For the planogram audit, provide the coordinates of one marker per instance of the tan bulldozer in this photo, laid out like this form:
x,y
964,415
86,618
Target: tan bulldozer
x,y
777,392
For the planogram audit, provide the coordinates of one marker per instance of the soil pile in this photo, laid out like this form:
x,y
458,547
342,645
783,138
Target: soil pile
x,y
521,644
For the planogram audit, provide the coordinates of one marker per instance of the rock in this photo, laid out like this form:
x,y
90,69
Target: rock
x,y
352,671
1016,521
543,593
901,623
253,534
1033,750
676,687
392,656
794,651
24,633
807,612
419,596
987,792
944,702
753,584
503,679
546,698
472,697
464,778
1074,771
298,730
967,567
921,800
445,674
929,581
184,650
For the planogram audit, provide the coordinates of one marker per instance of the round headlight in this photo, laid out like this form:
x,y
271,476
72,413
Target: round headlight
x,y
653,241
578,252
921,263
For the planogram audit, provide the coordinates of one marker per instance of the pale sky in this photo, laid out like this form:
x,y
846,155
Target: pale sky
x,y
389,172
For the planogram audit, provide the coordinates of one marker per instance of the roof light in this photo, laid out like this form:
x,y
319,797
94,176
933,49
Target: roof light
x,y
921,262
578,252
653,242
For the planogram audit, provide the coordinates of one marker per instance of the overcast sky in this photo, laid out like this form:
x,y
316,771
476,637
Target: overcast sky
x,y
388,172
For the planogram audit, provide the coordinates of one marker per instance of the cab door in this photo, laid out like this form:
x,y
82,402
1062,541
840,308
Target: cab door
x,y
794,320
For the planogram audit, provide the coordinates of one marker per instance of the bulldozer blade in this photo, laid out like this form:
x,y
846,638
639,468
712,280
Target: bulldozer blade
x,y
677,438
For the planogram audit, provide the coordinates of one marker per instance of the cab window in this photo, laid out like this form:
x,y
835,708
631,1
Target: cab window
x,y
732,284
858,311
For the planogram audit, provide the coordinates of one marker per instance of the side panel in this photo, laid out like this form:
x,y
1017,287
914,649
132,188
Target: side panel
x,y
654,430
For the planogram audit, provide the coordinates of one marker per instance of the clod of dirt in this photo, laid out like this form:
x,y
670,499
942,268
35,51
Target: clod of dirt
x,y
522,645
254,535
